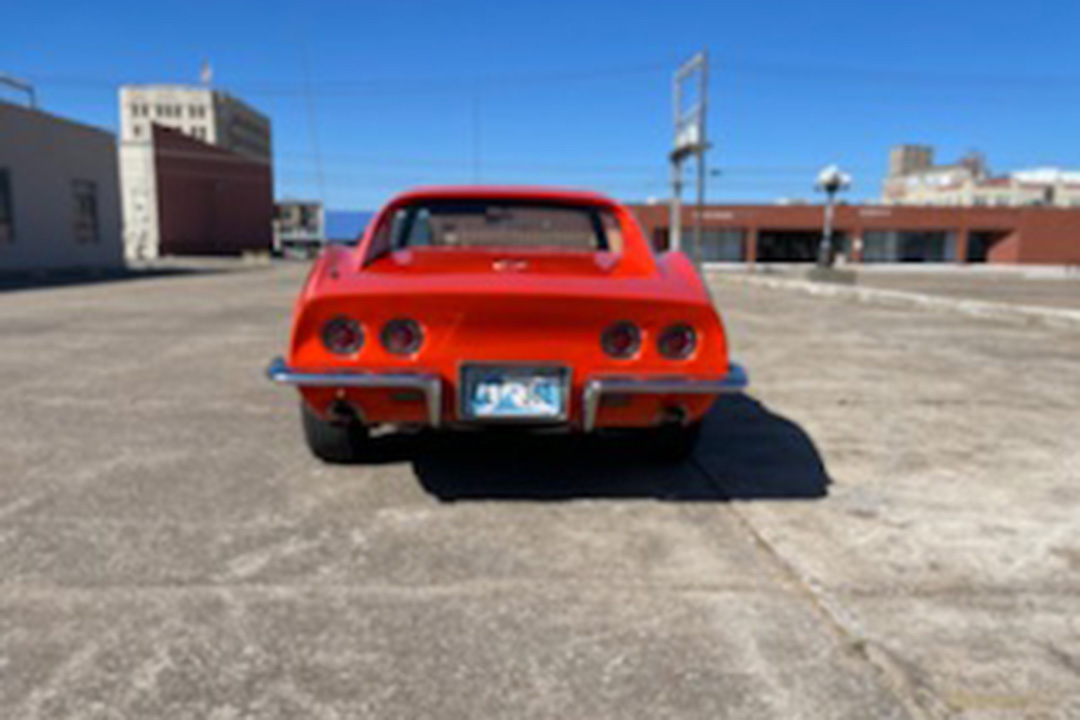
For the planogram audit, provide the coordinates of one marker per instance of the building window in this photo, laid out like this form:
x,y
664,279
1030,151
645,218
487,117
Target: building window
x,y
719,245
7,217
86,211
136,130
909,246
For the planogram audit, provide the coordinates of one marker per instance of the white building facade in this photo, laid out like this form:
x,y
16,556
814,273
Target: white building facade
x,y
59,193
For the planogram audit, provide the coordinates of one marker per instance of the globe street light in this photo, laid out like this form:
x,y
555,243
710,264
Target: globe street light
x,y
830,181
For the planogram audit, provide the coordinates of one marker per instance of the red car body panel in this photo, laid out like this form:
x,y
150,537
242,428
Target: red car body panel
x,y
497,305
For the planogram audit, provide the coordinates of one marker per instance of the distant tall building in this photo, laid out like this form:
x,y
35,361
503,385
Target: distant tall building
x,y
202,113
907,159
209,118
914,179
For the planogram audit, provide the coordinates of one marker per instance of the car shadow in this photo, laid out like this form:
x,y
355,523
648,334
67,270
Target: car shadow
x,y
746,452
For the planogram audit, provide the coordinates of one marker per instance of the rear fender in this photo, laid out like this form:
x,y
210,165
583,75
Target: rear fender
x,y
514,328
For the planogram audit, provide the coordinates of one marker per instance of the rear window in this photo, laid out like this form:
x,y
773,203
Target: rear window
x,y
503,225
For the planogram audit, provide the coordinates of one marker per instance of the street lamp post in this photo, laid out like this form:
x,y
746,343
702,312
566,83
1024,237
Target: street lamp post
x,y
830,181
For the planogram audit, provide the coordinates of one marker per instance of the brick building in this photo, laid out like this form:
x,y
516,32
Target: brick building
x,y
205,200
876,233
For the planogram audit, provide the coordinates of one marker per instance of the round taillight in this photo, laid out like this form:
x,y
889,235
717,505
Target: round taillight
x,y
402,336
342,336
677,342
621,340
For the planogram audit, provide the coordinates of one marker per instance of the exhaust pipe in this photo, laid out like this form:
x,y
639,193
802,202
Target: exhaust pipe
x,y
673,415
341,413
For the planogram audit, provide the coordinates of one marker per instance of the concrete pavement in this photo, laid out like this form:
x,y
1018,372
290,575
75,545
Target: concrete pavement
x,y
886,527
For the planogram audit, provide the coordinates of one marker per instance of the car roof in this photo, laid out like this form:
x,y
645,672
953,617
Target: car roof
x,y
502,192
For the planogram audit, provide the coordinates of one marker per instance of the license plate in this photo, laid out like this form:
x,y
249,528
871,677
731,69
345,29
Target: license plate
x,y
514,393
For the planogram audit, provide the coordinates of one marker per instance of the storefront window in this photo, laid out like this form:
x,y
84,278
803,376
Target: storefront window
x,y
720,245
909,246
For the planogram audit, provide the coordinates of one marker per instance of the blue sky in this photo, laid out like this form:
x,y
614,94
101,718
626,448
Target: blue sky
x,y
406,92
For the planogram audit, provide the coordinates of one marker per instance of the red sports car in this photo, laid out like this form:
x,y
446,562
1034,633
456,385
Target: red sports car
x,y
476,307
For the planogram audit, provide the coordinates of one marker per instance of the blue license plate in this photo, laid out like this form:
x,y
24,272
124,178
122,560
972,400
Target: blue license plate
x,y
515,393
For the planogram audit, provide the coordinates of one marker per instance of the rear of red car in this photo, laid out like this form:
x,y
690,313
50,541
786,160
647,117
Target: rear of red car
x,y
481,307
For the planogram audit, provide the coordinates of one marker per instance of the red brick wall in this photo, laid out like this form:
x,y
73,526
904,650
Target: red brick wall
x,y
1050,237
211,201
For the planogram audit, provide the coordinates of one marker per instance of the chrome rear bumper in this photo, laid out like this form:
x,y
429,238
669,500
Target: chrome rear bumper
x,y
595,387
428,384
734,381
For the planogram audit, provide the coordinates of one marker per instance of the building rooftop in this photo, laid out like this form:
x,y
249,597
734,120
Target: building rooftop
x,y
45,114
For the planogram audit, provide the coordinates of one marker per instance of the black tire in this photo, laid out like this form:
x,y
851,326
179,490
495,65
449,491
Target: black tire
x,y
674,443
338,443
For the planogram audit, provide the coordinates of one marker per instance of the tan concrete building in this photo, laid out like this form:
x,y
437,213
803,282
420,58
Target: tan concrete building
x,y
204,115
914,179
59,193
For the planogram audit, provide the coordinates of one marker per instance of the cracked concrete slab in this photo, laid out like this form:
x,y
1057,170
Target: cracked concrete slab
x,y
883,528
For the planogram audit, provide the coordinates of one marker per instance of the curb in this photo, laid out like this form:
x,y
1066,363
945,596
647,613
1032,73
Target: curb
x,y
1054,317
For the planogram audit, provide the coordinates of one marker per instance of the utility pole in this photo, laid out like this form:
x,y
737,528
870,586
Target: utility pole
x,y
703,146
675,230
690,141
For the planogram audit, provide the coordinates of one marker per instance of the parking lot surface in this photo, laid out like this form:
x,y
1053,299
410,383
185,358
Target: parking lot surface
x,y
886,526
1040,287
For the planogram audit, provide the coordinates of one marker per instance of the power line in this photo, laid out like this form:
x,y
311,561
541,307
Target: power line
x,y
727,65
352,159
898,75
313,121
368,86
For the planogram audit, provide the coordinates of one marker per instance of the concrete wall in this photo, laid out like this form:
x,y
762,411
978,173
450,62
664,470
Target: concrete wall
x,y
43,155
138,187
